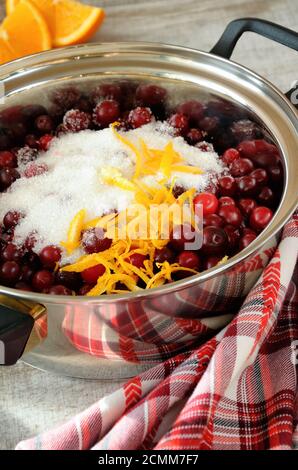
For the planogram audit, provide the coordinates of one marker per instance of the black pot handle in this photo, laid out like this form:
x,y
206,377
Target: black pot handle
x,y
226,44
17,320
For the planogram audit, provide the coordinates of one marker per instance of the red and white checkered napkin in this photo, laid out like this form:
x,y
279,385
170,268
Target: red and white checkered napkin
x,y
236,391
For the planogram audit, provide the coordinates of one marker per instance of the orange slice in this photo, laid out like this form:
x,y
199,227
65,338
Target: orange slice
x,y
6,53
69,22
10,6
25,31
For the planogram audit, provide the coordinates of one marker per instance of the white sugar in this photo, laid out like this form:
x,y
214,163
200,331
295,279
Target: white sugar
x,y
73,180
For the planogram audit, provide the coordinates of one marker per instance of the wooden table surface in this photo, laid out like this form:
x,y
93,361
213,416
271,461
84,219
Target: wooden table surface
x,y
31,400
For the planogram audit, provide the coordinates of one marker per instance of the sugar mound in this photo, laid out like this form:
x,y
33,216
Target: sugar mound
x,y
73,181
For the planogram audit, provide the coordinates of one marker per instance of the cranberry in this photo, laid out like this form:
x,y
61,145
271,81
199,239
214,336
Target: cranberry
x,y
164,254
189,259
32,111
178,190
233,235
137,260
260,218
23,286
66,97
7,177
61,130
45,141
42,280
226,201
84,105
230,156
32,141
5,140
215,241
209,124
204,147
91,275
44,124
266,197
26,155
35,170
246,240
71,280
246,206
94,241
49,256
194,136
11,219
247,186
213,220
275,173
10,272
11,253
106,112
139,117
261,176
245,129
85,289
108,91
260,152
181,235
193,109
11,115
212,261
27,273
75,120
30,241
227,186
7,160
179,122
150,95
208,201
59,290
248,231
241,167
231,215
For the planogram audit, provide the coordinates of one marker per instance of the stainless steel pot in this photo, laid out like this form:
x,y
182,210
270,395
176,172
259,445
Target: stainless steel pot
x,y
206,301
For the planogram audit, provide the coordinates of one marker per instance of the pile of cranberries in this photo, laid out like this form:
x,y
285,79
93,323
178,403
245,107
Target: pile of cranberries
x,y
236,207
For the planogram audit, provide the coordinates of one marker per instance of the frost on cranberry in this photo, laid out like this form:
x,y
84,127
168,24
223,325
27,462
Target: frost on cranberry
x,y
75,120
66,98
107,91
26,155
34,169
139,117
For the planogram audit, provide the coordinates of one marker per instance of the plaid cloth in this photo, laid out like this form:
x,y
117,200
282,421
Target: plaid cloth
x,y
236,391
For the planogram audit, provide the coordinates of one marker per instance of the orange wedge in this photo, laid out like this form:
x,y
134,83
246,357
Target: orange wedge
x,y
6,53
69,22
24,32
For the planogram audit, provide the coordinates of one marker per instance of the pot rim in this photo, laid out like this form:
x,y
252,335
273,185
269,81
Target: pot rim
x,y
18,66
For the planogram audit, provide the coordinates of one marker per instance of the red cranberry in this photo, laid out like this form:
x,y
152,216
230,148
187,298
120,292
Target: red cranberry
x,y
231,215
260,152
94,241
23,286
32,141
189,259
227,186
212,261
193,109
150,95
91,275
7,159
30,241
137,260
42,280
35,169
45,141
178,190
108,91
226,201
139,117
204,147
164,254
27,273
10,272
246,240
181,235
26,155
213,220
11,115
32,111
233,235
248,231
84,105
11,219
245,129
59,290
106,112
194,136
85,289
5,140
241,167
260,218
275,173
44,124
266,197
215,241
247,186
75,120
230,156
209,124
7,177
247,205
71,280
208,201
66,97
49,256
261,176
11,253
179,122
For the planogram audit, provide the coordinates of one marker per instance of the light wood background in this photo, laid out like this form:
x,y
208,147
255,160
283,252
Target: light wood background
x,y
31,400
